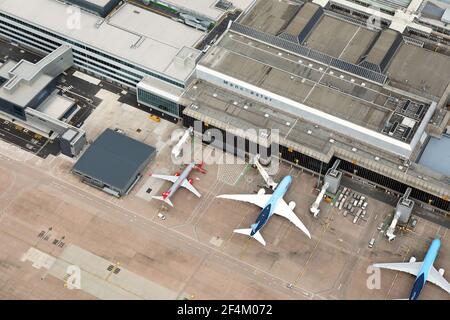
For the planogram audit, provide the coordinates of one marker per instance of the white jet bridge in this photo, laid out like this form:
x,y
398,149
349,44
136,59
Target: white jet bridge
x,y
331,183
268,179
178,148
402,214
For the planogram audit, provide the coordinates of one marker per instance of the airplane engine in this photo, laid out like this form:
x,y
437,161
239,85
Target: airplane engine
x,y
292,205
190,181
261,191
441,271
413,259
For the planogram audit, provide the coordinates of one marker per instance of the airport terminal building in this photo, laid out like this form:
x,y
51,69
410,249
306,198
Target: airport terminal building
x,y
116,47
345,101
28,95
120,42
334,87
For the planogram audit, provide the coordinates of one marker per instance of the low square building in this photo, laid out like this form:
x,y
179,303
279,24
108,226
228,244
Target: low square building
x,y
114,162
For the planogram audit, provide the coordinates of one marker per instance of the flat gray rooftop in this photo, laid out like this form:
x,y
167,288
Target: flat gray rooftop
x,y
114,159
271,16
381,46
25,80
301,19
329,35
340,39
232,112
305,81
411,68
22,93
239,112
133,34
421,71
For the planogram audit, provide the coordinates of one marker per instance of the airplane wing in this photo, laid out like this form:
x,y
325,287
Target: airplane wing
x,y
167,178
256,199
408,267
190,187
283,210
435,277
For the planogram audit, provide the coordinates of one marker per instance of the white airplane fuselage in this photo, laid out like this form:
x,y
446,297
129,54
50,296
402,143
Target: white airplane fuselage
x,y
178,183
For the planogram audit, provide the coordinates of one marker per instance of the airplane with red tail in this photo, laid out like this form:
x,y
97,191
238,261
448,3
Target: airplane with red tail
x,y
179,180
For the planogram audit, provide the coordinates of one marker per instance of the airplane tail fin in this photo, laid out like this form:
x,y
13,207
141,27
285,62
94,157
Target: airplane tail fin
x,y
260,239
243,231
257,236
166,200
200,167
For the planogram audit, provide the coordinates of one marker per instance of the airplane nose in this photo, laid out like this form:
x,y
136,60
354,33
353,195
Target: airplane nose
x,y
437,241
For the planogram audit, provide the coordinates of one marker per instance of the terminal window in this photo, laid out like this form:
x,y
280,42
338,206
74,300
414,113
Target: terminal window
x,y
158,102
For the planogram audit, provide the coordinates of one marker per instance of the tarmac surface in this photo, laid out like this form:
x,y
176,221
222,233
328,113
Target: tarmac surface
x,y
50,221
27,139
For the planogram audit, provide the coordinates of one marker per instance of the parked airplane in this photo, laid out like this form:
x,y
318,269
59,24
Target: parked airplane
x,y
179,180
270,204
424,271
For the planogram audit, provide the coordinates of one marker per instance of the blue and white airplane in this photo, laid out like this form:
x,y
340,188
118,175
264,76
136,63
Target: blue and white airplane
x,y
270,204
424,271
